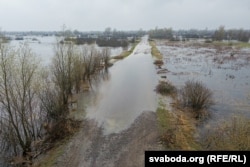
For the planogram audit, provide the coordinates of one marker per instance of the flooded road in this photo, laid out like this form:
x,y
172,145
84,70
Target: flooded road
x,y
119,115
128,91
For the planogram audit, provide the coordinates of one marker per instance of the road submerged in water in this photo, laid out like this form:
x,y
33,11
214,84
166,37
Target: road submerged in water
x,y
121,123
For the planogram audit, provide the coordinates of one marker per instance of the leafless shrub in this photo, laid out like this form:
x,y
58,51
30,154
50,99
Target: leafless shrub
x,y
196,96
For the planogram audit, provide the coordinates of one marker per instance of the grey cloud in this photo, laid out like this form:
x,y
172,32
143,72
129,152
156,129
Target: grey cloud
x,y
123,14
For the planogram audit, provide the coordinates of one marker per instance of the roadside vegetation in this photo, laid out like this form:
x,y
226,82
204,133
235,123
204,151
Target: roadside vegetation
x,y
126,53
154,51
165,88
156,54
177,129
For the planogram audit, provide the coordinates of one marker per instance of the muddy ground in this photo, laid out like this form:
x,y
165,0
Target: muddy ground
x,y
90,148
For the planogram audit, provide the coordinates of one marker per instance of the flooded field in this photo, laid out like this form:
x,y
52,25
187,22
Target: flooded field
x,y
224,70
43,47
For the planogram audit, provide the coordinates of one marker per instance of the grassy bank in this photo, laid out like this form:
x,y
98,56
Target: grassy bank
x,y
177,130
126,53
154,51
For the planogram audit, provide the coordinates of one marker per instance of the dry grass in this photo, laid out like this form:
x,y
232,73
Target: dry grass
x,y
230,44
177,131
126,53
165,88
154,51
233,134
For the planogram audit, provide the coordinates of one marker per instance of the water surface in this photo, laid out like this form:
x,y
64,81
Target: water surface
x,y
127,93
228,77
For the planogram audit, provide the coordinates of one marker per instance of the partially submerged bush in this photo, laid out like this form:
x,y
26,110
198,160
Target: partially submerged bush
x,y
233,134
196,96
165,88
158,62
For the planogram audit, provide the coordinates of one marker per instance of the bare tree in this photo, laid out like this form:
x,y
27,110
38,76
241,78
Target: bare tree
x,y
219,34
51,102
21,117
78,71
91,62
105,54
62,66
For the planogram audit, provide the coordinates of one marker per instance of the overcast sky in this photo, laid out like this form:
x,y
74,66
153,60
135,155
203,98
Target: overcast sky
x,y
86,15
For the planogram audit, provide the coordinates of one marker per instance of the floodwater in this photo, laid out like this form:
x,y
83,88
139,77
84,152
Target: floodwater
x,y
126,93
227,76
43,47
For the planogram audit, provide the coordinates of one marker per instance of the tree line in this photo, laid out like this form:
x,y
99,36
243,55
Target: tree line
x,y
217,35
232,34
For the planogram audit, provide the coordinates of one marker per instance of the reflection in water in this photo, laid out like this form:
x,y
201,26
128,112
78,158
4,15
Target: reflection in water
x,y
43,47
128,92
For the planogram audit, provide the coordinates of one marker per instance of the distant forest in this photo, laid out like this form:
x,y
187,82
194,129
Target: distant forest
x,y
218,35
115,38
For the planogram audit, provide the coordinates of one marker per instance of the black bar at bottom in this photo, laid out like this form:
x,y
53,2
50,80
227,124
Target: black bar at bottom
x,y
197,158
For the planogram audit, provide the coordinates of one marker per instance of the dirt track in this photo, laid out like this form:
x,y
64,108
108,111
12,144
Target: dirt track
x,y
90,148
